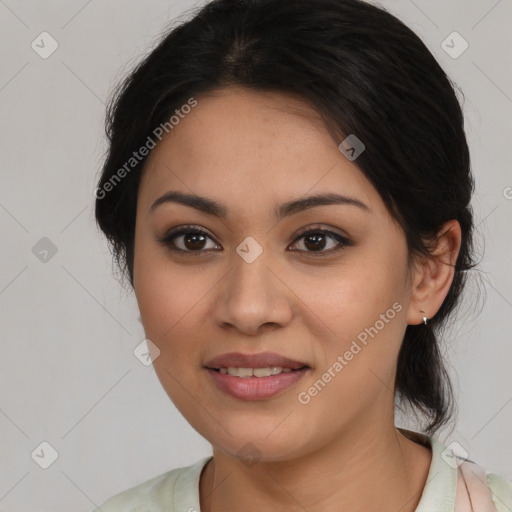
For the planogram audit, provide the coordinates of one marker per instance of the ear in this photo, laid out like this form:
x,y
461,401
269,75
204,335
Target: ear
x,y
433,277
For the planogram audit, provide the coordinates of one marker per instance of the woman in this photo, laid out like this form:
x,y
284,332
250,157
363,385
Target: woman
x,y
287,189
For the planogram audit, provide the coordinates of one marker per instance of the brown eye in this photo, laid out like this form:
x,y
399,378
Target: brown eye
x,y
192,240
316,240
186,239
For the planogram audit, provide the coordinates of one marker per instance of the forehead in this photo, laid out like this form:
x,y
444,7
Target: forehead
x,y
237,143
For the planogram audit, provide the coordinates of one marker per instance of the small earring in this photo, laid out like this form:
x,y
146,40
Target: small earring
x,y
424,318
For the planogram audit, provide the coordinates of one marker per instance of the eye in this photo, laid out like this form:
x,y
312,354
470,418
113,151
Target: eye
x,y
192,239
316,239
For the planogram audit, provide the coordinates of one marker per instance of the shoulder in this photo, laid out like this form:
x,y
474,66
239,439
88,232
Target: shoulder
x,y
160,493
140,497
501,492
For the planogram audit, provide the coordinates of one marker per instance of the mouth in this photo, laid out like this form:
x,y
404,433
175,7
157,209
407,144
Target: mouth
x,y
255,376
268,371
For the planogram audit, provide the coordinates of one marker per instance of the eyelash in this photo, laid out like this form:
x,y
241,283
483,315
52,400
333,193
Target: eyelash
x,y
185,230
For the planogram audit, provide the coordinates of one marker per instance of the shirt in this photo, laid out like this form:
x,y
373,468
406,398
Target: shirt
x,y
177,490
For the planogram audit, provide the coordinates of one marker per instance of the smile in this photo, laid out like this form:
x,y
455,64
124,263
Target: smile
x,y
253,372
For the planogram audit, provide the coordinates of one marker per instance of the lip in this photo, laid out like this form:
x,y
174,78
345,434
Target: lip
x,y
259,360
256,388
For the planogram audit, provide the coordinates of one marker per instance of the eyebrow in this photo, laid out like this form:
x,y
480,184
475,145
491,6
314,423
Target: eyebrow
x,y
211,207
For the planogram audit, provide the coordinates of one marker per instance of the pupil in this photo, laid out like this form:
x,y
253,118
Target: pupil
x,y
316,238
192,238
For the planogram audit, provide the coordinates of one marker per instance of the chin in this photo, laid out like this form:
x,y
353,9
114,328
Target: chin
x,y
250,452
255,439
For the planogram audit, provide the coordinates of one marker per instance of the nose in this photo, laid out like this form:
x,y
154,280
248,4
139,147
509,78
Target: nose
x,y
252,296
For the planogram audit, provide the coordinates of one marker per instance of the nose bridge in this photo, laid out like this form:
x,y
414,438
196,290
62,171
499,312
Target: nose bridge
x,y
252,294
251,276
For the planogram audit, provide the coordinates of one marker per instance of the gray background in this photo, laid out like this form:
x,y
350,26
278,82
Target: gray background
x,y
68,375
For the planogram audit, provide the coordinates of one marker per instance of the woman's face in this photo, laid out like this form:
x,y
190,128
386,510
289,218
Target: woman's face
x,y
337,303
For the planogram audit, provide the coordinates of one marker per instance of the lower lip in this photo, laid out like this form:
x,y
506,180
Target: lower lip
x,y
255,388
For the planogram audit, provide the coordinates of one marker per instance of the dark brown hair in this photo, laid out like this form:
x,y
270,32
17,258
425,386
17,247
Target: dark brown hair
x,y
365,73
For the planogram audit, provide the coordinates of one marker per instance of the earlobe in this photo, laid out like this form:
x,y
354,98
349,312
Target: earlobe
x,y
419,307
434,276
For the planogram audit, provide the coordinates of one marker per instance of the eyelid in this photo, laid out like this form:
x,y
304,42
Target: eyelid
x,y
320,227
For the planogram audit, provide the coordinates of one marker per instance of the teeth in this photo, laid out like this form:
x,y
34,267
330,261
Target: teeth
x,y
240,372
254,372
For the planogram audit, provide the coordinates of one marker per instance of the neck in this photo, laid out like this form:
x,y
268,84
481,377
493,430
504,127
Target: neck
x,y
377,470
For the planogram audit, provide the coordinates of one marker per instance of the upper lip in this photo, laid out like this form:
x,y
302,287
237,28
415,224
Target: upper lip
x,y
260,360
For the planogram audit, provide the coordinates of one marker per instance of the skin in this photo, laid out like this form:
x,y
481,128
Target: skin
x,y
252,151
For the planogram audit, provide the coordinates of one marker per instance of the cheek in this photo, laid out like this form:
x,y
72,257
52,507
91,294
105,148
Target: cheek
x,y
361,308
171,312
352,296
169,306
164,295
